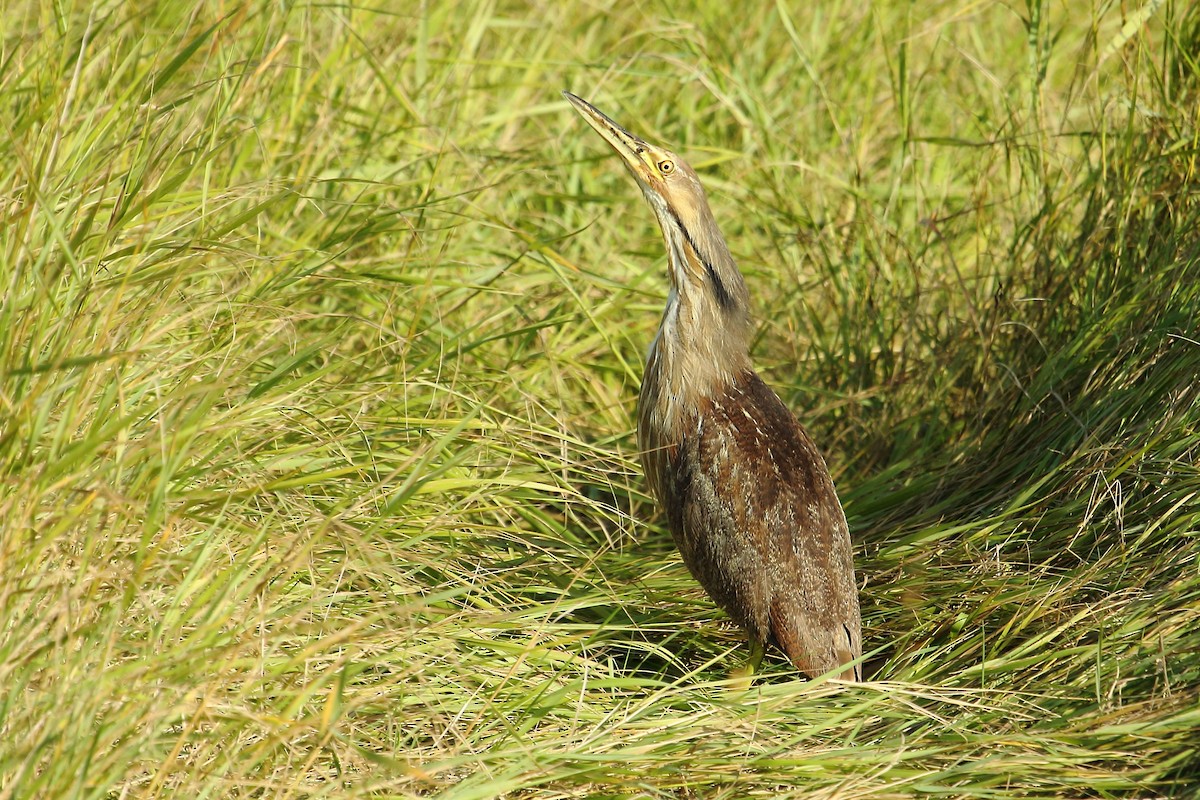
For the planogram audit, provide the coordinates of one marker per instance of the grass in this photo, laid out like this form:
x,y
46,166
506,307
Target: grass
x,y
321,331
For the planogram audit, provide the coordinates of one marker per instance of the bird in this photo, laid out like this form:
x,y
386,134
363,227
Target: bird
x,y
747,496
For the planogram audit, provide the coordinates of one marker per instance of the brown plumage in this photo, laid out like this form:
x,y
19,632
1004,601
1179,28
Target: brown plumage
x,y
748,498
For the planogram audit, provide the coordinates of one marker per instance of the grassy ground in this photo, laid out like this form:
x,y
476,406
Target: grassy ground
x,y
321,331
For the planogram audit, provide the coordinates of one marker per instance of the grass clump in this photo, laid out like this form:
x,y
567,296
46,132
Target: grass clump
x,y
320,335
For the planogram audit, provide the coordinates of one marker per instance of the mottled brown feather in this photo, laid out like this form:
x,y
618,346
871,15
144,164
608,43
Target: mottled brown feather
x,y
753,511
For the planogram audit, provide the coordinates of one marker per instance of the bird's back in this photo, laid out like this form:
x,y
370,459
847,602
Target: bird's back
x,y
753,510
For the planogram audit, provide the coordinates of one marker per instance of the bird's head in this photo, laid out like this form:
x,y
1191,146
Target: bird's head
x,y
701,265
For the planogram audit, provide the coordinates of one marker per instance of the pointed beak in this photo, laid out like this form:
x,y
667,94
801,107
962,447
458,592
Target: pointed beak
x,y
631,149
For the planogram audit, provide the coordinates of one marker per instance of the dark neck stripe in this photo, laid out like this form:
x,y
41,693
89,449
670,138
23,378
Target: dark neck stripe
x,y
724,298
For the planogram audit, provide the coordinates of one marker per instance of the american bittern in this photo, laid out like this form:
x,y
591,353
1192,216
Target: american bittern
x,y
748,498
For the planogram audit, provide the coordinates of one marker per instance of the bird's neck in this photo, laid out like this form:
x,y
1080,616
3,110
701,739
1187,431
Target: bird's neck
x,y
698,351
702,343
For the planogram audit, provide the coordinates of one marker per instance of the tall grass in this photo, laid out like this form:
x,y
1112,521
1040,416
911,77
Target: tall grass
x,y
321,331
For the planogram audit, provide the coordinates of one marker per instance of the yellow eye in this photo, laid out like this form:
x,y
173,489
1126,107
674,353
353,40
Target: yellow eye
x,y
666,167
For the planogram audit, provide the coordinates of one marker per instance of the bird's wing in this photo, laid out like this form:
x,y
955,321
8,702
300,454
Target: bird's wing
x,y
766,532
